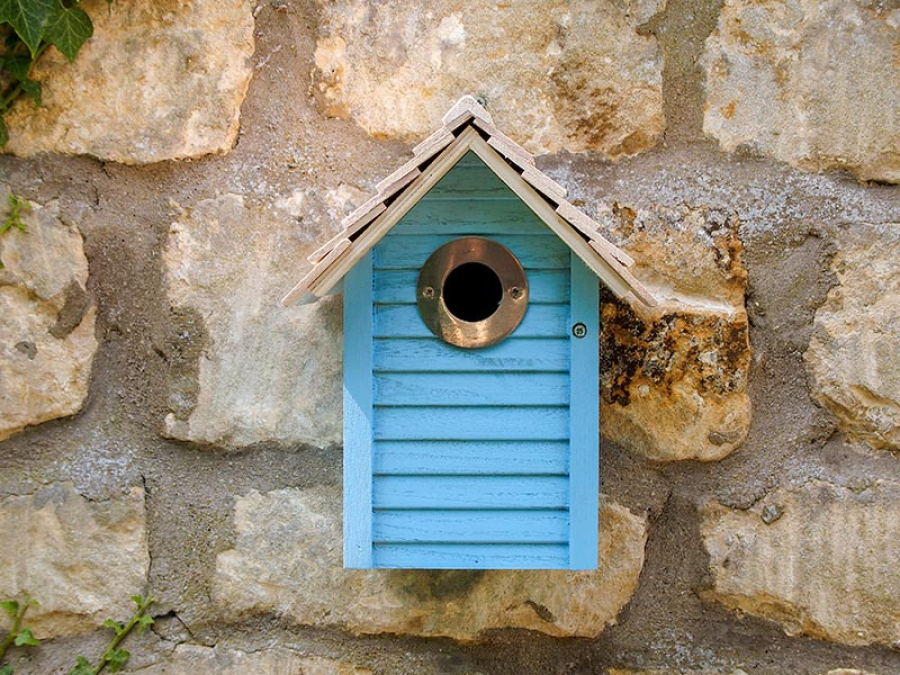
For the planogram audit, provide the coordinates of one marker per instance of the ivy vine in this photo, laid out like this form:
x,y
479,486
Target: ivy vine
x,y
27,29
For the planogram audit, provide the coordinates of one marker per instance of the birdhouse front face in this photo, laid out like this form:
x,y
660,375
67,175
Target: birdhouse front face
x,y
471,403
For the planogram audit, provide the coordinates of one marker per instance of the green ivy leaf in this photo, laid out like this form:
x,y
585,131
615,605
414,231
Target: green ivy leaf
x,y
144,623
28,18
138,600
68,28
4,133
82,667
117,659
33,89
6,670
11,607
25,637
115,625
17,66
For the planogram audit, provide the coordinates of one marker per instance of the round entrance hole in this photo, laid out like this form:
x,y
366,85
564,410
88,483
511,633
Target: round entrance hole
x,y
472,292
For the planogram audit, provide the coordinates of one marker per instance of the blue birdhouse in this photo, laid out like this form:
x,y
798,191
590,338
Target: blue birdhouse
x,y
471,368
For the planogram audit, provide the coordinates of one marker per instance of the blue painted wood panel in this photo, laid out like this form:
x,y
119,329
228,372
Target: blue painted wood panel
x,y
473,456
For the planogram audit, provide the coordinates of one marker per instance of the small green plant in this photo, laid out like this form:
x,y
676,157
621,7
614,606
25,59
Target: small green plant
x,y
19,635
14,220
115,657
27,29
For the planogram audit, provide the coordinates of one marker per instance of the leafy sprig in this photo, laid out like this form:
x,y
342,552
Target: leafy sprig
x,y
28,28
18,635
13,220
115,657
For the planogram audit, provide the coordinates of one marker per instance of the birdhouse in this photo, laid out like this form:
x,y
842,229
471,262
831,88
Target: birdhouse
x,y
470,359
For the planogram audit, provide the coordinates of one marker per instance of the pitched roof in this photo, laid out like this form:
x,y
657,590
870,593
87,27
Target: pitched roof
x,y
467,126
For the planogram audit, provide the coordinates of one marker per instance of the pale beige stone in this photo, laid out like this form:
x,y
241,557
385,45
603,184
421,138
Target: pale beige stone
x,y
47,342
197,660
158,80
809,82
673,381
555,75
853,351
268,373
818,559
287,560
80,559
679,671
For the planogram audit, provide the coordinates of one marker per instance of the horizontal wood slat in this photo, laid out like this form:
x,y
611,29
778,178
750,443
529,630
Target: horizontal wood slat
x,y
489,218
468,389
471,457
464,423
472,556
416,355
470,492
544,286
411,252
470,181
404,321
472,527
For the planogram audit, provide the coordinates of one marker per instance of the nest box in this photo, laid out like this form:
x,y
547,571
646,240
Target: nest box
x,y
470,359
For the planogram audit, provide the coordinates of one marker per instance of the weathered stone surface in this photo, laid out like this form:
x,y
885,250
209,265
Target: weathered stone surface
x,y
679,671
287,560
853,351
268,373
158,80
807,82
818,559
555,75
197,660
47,341
673,382
80,559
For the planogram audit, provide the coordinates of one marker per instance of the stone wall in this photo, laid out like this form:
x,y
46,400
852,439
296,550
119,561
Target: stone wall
x,y
167,427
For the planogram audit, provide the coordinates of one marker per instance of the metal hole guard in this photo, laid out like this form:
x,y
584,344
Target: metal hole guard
x,y
472,334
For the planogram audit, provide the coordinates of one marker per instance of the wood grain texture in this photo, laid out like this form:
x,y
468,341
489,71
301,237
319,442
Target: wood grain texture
x,y
498,526
470,389
411,252
529,354
543,423
507,216
470,492
358,417
585,415
471,457
472,556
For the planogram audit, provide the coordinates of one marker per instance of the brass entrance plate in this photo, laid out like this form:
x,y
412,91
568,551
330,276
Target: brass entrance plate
x,y
472,292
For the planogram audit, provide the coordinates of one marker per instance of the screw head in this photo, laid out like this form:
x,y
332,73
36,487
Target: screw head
x,y
428,292
579,330
516,292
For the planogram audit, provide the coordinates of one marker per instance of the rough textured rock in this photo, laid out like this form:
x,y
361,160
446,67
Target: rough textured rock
x,y
268,373
47,341
818,559
157,81
673,382
80,559
852,355
806,82
554,75
197,660
287,560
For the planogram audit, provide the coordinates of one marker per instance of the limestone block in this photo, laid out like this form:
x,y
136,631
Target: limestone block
x,y
197,660
818,559
809,82
80,559
673,382
853,350
287,560
158,80
555,75
47,342
267,373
